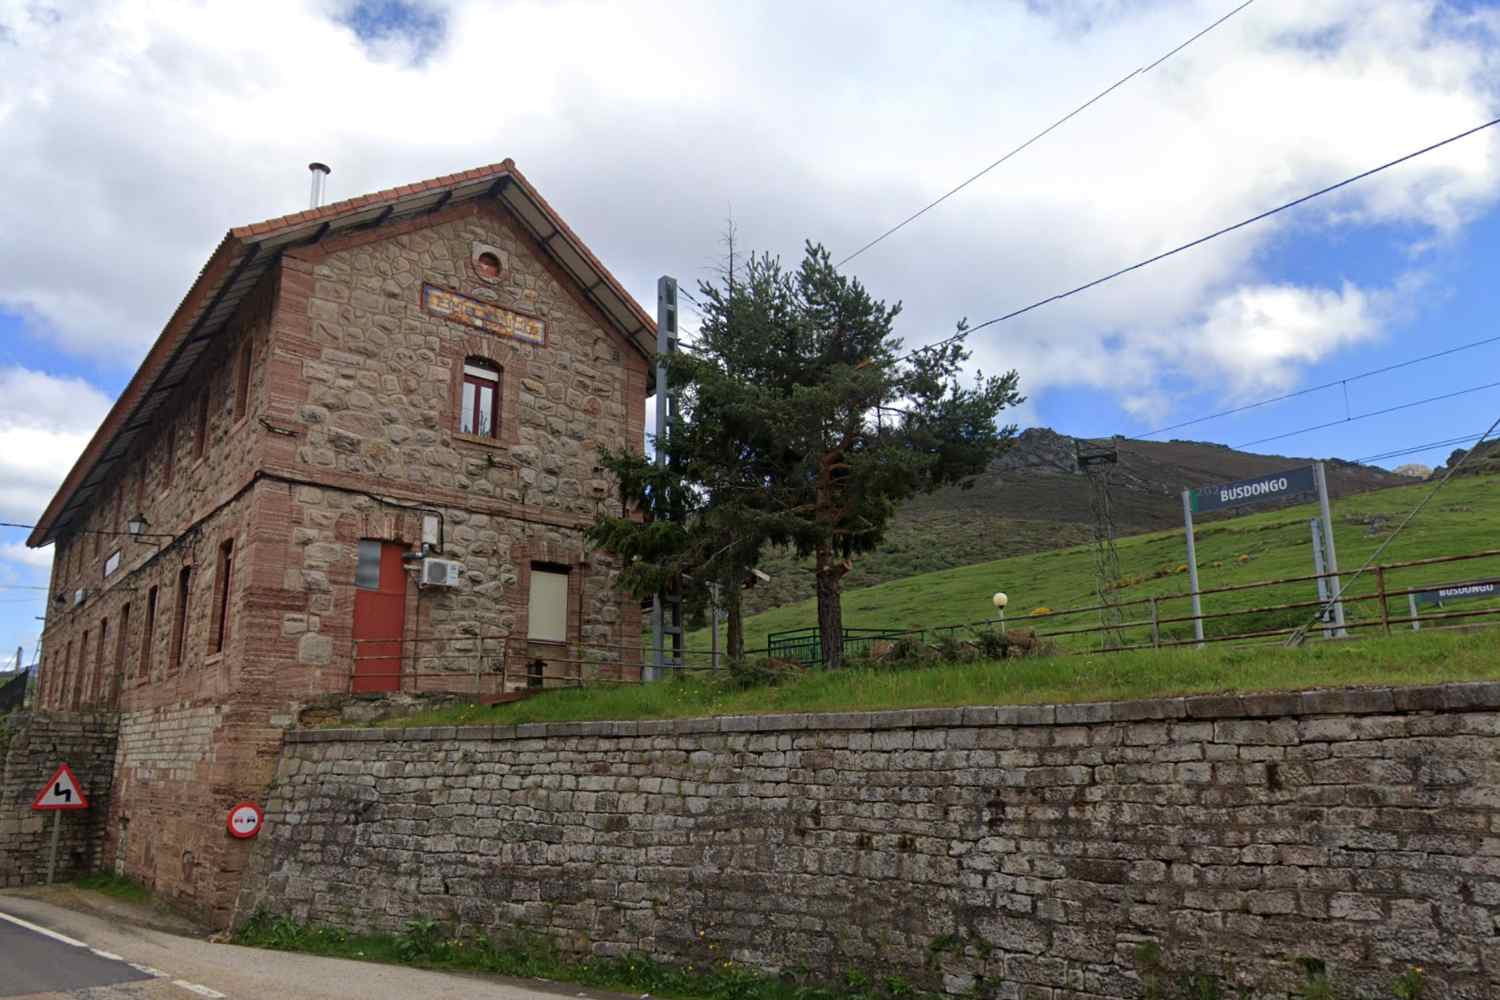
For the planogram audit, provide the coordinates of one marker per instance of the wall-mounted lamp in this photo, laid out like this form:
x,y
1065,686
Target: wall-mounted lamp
x,y
136,528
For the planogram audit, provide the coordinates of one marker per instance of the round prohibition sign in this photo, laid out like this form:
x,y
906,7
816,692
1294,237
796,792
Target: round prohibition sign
x,y
245,820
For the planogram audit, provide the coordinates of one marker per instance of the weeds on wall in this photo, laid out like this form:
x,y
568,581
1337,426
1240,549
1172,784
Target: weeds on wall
x,y
1157,983
521,954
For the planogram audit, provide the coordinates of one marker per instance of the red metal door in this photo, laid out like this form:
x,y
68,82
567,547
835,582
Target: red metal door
x,y
379,616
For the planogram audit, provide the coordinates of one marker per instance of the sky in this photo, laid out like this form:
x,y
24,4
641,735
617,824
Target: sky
x,y
136,133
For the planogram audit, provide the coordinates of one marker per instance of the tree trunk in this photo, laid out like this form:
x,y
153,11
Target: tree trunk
x,y
830,575
734,605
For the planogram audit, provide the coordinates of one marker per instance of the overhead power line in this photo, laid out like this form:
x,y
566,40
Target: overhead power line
x,y
1055,125
1326,385
1204,239
1417,449
1372,413
1229,229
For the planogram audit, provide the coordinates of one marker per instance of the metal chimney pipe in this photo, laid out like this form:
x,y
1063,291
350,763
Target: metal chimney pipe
x,y
320,172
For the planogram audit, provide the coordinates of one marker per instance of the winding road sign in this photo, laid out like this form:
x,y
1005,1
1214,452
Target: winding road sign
x,y
60,793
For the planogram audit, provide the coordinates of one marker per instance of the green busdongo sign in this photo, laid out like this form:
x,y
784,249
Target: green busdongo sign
x,y
1459,592
1242,493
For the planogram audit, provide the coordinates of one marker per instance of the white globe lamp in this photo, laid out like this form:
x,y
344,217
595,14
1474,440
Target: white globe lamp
x,y
1000,601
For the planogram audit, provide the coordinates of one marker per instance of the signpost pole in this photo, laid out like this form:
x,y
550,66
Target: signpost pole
x,y
1192,560
1335,588
52,853
1320,570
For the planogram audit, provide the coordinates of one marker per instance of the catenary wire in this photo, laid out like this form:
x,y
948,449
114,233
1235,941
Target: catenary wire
x,y
1372,413
1042,134
1326,385
1211,236
1417,449
1297,637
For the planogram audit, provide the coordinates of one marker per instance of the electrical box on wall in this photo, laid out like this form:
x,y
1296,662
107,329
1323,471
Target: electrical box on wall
x,y
441,572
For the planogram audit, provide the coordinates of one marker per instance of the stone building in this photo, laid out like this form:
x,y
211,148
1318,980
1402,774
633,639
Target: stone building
x,y
359,457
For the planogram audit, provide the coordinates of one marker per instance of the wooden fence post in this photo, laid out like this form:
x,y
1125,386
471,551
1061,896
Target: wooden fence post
x,y
1385,611
1155,625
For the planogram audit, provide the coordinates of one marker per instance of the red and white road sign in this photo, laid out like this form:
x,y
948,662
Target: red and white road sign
x,y
61,792
245,820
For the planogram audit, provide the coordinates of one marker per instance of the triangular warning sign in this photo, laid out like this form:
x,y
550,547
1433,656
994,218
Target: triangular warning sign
x,y
61,792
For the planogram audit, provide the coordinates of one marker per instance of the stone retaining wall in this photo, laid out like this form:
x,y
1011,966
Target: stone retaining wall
x,y
31,748
1016,853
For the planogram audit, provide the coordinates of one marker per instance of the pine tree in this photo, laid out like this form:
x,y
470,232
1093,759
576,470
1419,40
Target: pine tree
x,y
802,423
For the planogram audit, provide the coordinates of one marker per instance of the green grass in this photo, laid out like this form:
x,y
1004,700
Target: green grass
x,y
1426,658
116,886
1267,546
427,944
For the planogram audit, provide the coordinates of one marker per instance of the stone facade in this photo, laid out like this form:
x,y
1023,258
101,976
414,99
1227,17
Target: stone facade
x,y
325,414
1018,853
31,748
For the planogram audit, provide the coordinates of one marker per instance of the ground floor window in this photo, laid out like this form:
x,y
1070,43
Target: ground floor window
x,y
547,613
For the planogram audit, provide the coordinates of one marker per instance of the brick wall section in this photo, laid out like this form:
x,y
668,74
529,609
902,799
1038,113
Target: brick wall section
x,y
1016,852
31,748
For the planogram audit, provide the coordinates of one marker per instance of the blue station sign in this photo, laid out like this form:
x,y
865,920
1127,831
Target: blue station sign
x,y
1460,592
1244,492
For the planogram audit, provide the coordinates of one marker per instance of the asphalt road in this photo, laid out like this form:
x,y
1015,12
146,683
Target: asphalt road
x,y
32,963
140,963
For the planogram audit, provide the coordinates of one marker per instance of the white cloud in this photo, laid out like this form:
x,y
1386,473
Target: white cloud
x,y
648,124
1261,335
36,559
45,422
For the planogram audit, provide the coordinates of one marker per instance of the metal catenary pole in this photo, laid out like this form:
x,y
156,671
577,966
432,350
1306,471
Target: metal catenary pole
x,y
666,608
1320,569
1334,588
1192,560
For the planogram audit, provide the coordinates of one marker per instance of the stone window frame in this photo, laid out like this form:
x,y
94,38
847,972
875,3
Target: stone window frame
x,y
482,373
477,250
200,425
219,631
503,356
181,618
148,634
245,364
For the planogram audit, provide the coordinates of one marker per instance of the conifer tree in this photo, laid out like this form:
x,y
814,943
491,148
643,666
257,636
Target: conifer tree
x,y
801,422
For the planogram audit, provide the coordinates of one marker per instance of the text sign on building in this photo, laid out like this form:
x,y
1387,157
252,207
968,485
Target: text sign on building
x,y
1276,486
483,315
1461,592
61,793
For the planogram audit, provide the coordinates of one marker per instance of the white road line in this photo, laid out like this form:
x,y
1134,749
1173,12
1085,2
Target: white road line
x,y
43,931
202,991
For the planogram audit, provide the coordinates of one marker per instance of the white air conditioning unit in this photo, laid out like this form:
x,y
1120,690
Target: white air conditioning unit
x,y
441,572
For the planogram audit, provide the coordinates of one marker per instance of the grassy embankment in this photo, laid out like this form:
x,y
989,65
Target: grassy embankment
x,y
1428,658
1274,545
1464,518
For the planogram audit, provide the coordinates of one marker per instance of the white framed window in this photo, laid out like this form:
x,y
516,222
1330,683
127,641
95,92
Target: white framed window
x,y
547,614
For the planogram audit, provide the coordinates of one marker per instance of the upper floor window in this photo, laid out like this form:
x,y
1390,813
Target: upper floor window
x,y
242,381
169,463
200,431
480,405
